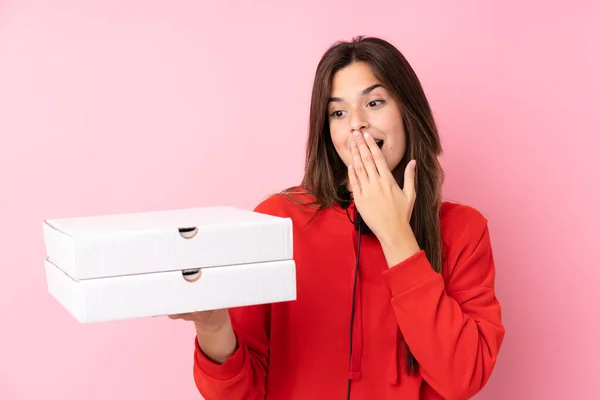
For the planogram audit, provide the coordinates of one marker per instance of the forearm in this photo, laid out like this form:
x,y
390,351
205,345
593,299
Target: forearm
x,y
230,362
456,340
218,345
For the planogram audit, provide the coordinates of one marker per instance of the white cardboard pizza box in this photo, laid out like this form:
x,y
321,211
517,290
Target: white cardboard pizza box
x,y
168,262
137,243
172,292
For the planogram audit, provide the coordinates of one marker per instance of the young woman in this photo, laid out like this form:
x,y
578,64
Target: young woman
x,y
395,287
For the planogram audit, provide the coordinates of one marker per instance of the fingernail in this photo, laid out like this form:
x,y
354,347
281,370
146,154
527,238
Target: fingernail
x,y
366,135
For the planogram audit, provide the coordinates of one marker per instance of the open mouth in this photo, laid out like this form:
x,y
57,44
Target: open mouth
x,y
379,143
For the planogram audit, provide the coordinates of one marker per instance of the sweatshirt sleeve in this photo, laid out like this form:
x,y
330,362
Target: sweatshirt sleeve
x,y
243,375
451,324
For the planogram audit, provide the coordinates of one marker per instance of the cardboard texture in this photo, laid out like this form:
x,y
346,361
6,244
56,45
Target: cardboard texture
x,y
136,265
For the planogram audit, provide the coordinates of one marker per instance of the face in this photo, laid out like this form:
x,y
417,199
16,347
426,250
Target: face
x,y
359,102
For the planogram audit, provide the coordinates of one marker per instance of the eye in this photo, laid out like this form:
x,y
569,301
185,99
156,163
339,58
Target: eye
x,y
375,103
337,114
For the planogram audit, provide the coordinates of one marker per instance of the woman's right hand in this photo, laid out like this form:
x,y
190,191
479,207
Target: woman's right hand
x,y
206,321
214,333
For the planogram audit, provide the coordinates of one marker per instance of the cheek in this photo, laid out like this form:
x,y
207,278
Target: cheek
x,y
390,122
338,139
393,128
342,145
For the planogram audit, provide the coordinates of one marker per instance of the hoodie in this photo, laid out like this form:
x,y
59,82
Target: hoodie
x,y
300,349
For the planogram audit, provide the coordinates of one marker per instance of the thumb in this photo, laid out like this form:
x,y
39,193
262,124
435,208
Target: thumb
x,y
409,181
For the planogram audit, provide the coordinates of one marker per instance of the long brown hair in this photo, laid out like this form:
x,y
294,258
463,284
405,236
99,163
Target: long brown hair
x,y
325,170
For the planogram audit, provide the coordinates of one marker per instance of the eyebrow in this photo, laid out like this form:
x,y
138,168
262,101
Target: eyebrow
x,y
364,92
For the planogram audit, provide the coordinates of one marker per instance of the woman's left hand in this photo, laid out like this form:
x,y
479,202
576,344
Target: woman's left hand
x,y
382,204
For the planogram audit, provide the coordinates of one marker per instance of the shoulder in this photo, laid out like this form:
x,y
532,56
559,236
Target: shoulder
x,y
461,220
290,203
465,238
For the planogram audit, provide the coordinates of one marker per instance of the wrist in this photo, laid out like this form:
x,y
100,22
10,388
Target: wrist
x,y
399,246
212,328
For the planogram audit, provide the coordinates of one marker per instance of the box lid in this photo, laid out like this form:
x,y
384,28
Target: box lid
x,y
126,244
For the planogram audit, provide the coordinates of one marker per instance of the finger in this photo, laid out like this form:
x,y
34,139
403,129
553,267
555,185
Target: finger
x,y
409,181
353,179
184,316
366,156
378,158
357,164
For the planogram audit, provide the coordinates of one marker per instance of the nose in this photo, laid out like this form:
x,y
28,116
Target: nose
x,y
358,121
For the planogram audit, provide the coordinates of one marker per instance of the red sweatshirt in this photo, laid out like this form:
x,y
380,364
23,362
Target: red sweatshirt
x,y
299,350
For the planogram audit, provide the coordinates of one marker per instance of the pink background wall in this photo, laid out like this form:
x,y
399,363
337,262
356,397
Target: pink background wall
x,y
106,107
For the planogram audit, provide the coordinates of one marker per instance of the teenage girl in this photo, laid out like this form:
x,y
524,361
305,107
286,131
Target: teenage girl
x,y
395,287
